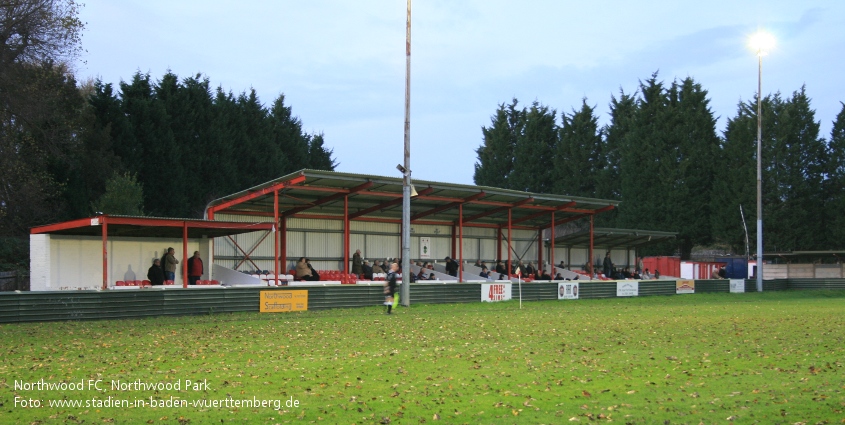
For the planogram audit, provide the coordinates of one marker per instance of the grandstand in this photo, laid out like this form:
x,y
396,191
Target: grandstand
x,y
253,237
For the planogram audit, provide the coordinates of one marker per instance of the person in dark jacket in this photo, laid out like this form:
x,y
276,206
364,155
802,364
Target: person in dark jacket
x,y
390,287
357,263
155,274
451,267
500,267
607,266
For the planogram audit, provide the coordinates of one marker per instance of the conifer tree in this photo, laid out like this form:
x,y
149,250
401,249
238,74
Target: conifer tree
x,y
793,214
534,150
496,154
835,204
735,180
579,160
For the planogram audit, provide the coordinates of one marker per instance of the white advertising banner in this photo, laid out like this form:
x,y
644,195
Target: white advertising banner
x,y
737,285
495,291
627,288
567,291
425,247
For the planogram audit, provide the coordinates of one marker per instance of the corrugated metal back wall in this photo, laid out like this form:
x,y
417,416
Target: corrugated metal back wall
x,y
322,242
95,305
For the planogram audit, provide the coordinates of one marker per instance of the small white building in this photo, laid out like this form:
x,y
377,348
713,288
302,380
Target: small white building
x,y
97,252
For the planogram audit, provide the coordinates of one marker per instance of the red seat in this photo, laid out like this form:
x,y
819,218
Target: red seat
x,y
168,282
215,282
120,283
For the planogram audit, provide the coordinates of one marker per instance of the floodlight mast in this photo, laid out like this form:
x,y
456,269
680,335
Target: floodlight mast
x,y
406,174
761,42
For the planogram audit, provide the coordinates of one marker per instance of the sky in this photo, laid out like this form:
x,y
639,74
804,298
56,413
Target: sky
x,y
341,64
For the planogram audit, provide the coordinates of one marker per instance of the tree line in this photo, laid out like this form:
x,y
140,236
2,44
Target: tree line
x,y
662,157
163,147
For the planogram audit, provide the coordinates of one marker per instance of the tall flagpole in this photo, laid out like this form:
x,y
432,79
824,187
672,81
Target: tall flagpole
x,y
406,181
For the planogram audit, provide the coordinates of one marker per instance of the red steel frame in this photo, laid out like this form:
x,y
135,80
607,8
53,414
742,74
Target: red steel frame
x,y
184,254
105,252
552,247
104,220
509,243
456,233
276,232
247,254
346,235
539,250
240,199
461,252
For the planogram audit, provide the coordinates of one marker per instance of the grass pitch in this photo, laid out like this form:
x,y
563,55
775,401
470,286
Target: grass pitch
x,y
768,358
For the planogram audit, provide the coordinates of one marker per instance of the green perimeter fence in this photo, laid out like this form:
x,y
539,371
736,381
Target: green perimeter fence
x,y
99,305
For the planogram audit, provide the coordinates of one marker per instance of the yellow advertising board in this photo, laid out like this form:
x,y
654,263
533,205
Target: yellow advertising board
x,y
685,287
283,301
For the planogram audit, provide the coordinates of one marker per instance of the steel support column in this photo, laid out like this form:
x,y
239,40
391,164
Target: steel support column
x,y
283,227
461,249
346,235
552,245
509,243
276,234
184,254
591,248
539,250
105,229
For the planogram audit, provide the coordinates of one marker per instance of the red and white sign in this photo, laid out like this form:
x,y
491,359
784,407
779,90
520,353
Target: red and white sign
x,y
495,292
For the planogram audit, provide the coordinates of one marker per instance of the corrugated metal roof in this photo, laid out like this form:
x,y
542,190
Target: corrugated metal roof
x,y
322,193
149,227
612,238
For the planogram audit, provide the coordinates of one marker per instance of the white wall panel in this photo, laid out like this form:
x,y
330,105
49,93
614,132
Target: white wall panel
x,y
324,245
314,224
383,246
76,261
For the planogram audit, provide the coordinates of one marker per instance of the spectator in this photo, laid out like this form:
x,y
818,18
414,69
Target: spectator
x,y
529,269
646,274
484,273
500,267
723,273
155,274
368,270
607,265
303,270
377,267
639,268
543,275
195,268
656,274
170,263
429,266
519,266
714,274
558,276
357,263
451,267
562,265
421,274
314,274
626,273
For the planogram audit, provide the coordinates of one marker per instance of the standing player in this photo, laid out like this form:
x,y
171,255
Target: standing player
x,y
390,287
